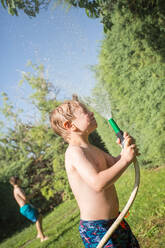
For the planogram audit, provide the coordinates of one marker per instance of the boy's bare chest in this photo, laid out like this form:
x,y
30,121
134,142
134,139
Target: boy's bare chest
x,y
95,156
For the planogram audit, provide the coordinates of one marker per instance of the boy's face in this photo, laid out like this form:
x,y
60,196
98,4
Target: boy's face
x,y
84,119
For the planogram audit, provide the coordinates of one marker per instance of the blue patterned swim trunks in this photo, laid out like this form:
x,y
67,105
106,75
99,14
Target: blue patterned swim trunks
x,y
29,212
92,232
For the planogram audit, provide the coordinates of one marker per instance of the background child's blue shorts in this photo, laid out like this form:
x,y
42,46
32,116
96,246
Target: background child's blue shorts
x,y
29,212
93,231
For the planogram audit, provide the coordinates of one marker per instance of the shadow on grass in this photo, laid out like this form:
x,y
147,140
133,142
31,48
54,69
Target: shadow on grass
x,y
72,223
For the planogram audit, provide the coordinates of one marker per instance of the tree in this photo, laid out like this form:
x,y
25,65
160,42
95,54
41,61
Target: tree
x,y
30,7
132,70
104,9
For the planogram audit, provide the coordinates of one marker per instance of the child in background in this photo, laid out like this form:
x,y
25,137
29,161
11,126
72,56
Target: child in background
x,y
27,209
92,173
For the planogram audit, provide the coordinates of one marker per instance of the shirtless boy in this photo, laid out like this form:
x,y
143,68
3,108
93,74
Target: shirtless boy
x,y
27,209
92,173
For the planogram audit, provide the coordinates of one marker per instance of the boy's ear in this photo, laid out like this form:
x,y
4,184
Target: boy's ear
x,y
69,125
66,124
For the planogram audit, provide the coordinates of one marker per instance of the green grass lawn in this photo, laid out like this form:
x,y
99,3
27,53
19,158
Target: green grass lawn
x,y
147,216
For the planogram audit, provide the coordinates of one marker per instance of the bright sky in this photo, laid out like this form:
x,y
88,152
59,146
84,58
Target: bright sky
x,y
67,43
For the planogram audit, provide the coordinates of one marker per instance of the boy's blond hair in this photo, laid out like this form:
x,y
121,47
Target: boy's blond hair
x,y
64,112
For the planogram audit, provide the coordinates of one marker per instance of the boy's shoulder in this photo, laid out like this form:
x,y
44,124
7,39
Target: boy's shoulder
x,y
16,190
74,153
72,150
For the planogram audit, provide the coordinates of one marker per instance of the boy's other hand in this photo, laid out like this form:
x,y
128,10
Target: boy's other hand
x,y
130,150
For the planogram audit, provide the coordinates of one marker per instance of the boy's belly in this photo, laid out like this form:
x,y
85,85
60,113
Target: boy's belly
x,y
97,206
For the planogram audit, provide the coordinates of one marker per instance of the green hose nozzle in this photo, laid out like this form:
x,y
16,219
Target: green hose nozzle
x,y
118,131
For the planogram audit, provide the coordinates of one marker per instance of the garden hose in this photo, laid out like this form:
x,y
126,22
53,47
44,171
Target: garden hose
x,y
131,199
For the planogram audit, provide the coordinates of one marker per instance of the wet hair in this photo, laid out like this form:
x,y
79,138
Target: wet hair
x,y
14,179
64,112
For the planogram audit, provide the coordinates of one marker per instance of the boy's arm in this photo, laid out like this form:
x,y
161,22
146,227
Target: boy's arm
x,y
99,180
110,160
